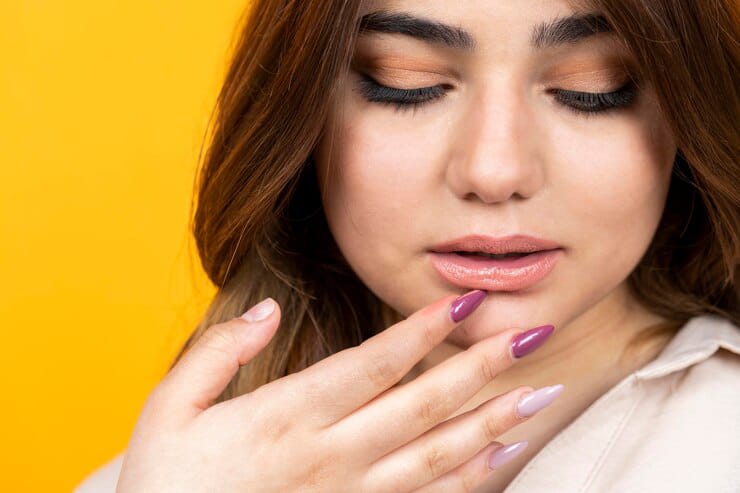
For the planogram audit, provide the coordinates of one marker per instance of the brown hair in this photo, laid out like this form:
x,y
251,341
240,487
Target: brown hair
x,y
260,228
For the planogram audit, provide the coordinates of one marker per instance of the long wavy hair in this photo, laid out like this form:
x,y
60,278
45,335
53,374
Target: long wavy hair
x,y
258,221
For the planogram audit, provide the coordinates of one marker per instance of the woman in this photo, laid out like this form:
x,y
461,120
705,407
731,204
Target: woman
x,y
463,213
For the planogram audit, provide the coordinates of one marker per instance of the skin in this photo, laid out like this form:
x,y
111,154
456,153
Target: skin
x,y
498,155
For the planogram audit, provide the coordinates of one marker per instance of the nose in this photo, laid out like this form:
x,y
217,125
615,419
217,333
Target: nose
x,y
497,152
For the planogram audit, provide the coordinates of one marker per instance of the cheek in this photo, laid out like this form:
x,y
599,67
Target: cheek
x,y
374,181
382,162
614,184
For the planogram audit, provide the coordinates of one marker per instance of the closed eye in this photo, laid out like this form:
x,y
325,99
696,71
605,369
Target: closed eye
x,y
583,103
403,99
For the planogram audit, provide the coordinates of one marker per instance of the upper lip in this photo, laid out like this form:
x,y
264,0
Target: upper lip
x,y
491,244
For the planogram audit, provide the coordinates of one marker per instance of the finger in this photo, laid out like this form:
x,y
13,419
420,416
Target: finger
x,y
345,381
446,446
205,370
467,477
409,410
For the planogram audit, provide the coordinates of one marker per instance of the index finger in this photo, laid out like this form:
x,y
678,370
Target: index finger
x,y
347,380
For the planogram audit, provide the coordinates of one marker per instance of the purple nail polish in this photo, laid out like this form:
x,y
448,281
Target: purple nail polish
x,y
465,304
538,399
503,455
528,341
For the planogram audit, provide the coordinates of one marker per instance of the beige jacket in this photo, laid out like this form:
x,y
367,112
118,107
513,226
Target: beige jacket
x,y
671,426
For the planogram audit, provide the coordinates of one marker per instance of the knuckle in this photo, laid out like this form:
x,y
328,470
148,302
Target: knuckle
x,y
313,396
487,367
319,471
382,370
491,426
218,337
436,461
468,482
431,410
324,468
266,406
275,429
428,335
313,390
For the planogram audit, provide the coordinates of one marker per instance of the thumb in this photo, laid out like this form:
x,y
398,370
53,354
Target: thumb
x,y
205,370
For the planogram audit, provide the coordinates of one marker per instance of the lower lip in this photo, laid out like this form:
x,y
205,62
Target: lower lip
x,y
478,272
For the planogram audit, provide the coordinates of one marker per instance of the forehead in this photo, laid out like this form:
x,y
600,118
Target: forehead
x,y
474,25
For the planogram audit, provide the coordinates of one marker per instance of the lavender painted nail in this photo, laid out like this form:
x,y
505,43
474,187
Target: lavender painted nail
x,y
538,399
528,341
503,455
465,304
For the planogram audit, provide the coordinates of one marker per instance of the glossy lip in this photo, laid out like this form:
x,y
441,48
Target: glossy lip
x,y
495,274
492,274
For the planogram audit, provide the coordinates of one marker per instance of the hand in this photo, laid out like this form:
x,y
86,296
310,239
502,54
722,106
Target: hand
x,y
340,425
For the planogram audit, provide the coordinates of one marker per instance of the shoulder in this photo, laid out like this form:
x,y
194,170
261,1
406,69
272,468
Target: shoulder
x,y
681,422
103,479
711,388
694,387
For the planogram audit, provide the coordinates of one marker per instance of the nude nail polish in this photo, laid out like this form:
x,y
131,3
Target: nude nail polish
x,y
503,455
260,311
538,399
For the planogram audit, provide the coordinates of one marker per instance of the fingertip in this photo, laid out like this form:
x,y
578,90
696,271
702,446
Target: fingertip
x,y
443,301
264,328
503,455
466,304
260,311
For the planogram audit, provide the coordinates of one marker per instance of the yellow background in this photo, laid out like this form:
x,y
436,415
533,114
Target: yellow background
x,y
103,108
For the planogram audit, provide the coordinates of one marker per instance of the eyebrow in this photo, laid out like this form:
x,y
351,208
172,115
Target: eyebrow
x,y
559,31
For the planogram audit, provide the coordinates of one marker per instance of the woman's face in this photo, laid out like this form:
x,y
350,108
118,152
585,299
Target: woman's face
x,y
495,150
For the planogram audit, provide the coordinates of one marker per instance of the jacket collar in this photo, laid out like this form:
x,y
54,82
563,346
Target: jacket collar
x,y
697,340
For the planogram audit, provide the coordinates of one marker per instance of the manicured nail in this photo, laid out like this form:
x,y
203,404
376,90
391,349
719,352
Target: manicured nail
x,y
260,311
532,402
528,341
465,304
502,455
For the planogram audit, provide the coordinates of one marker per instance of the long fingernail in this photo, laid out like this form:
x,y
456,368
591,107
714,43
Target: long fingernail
x,y
528,341
465,304
260,311
503,455
532,402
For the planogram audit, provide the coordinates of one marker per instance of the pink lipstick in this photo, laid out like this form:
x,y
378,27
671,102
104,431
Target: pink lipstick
x,y
495,264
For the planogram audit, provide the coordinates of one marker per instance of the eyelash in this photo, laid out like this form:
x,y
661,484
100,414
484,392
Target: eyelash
x,y
582,103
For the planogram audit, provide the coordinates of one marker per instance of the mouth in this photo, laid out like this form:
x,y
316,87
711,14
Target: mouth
x,y
492,255
495,264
